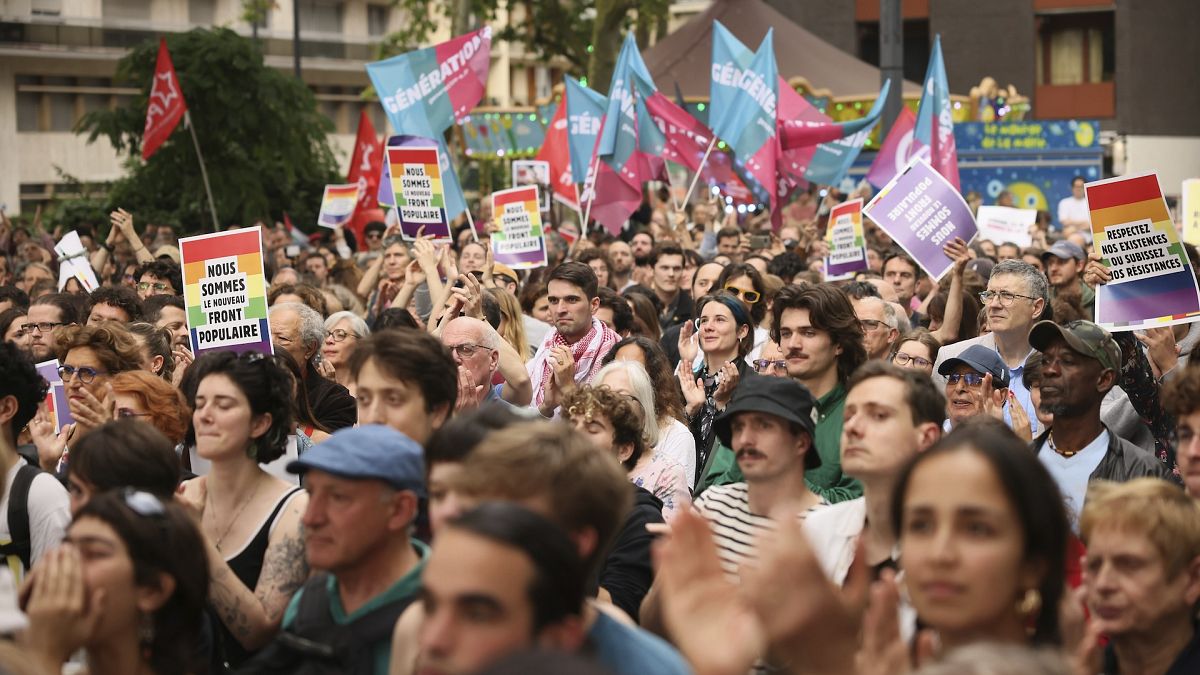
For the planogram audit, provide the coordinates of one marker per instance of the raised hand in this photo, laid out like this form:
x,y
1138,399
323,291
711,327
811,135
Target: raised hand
x,y
1096,273
63,613
1161,348
728,381
692,386
688,345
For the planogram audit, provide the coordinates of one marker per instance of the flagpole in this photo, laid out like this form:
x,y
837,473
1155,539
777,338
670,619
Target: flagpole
x,y
212,207
471,222
578,211
587,213
695,179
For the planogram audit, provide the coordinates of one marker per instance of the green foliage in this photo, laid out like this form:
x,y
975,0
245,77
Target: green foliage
x,y
553,30
77,203
260,131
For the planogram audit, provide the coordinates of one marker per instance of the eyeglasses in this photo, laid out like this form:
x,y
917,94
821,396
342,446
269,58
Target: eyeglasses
x,y
871,325
902,359
126,413
143,503
761,365
1006,297
466,350
158,287
41,327
374,235
748,297
340,335
972,379
86,374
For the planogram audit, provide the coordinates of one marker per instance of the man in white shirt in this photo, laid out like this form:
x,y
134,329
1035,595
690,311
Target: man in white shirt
x,y
1073,211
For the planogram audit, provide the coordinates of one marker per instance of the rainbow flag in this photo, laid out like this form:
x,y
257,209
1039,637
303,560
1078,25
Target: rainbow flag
x,y
1153,284
225,291
337,205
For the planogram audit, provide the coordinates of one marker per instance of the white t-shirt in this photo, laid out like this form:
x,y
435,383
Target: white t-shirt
x,y
1072,473
49,514
1073,209
677,442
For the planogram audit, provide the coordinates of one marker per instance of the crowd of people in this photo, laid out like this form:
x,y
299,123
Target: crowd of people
x,y
677,450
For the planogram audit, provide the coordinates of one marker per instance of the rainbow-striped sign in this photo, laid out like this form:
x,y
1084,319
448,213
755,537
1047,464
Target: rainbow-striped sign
x,y
337,205
520,243
225,291
1152,281
416,176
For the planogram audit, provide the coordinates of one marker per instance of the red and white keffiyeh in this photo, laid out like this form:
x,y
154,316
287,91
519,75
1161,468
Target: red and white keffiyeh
x,y
587,353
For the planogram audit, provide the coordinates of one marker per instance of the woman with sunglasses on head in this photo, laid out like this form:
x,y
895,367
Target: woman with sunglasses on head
x,y
746,282
723,334
343,330
127,587
251,520
917,349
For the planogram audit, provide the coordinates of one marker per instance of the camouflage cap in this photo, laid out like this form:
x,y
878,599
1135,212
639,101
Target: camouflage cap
x,y
1084,337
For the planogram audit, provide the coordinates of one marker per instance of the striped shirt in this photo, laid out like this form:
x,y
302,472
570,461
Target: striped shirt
x,y
735,528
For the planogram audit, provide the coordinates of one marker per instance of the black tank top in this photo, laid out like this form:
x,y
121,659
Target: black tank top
x,y
247,567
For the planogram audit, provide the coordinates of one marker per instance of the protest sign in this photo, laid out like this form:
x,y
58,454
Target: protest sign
x,y
1004,224
1152,282
56,395
416,179
847,243
922,212
225,292
521,242
73,263
337,205
1189,211
533,172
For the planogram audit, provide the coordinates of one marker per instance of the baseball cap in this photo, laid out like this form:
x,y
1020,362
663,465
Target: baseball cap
x,y
372,452
782,397
982,360
1064,249
1082,336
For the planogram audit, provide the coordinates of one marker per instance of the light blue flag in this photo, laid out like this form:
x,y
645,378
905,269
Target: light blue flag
x,y
743,91
619,136
585,116
833,159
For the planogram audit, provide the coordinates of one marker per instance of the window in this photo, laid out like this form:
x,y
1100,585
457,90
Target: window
x,y
46,7
377,20
57,103
1076,48
126,10
202,12
320,16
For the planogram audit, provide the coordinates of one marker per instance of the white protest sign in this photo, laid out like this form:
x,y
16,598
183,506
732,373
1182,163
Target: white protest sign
x,y
1004,224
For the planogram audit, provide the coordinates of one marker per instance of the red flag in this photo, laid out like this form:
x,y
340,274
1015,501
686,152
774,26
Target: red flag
x,y
366,163
165,107
687,138
556,150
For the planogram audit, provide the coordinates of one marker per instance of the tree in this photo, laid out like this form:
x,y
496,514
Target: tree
x,y
585,33
263,138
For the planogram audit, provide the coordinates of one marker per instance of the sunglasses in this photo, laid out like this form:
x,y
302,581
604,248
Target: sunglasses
x,y
748,297
972,379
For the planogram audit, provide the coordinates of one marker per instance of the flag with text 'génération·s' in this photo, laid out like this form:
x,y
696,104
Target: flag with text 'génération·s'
x,y
165,106
619,134
585,117
556,151
743,92
935,123
427,90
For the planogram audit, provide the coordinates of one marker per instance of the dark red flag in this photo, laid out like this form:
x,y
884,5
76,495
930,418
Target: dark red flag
x,y
165,107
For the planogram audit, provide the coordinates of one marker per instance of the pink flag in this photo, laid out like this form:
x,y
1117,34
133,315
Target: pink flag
x,y
687,138
896,150
616,197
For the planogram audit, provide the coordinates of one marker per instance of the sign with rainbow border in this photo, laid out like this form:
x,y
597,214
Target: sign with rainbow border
x,y
337,205
416,177
1152,281
225,291
847,243
520,242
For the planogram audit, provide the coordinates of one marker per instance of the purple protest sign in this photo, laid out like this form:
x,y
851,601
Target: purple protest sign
x,y
56,395
921,211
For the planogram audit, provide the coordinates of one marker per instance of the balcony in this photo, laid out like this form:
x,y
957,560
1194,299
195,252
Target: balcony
x,y
1075,101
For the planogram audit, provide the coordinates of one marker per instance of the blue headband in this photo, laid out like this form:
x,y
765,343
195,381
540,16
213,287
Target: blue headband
x,y
735,307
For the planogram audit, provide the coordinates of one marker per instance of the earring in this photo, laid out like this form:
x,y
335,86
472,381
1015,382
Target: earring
x,y
1030,603
146,635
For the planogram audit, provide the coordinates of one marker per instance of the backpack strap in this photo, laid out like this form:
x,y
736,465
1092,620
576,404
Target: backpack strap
x,y
20,544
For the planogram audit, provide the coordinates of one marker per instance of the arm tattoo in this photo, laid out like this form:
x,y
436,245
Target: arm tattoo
x,y
284,570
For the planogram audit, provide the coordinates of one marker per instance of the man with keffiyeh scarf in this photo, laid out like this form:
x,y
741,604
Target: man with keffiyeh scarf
x,y
570,355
